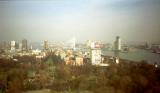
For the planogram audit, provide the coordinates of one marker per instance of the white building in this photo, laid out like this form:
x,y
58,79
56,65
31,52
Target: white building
x,y
13,45
96,53
96,56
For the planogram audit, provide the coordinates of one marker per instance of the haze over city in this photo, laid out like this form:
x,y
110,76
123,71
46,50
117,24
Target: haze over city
x,y
60,20
79,46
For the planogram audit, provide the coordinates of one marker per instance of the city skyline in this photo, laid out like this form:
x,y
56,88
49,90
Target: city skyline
x,y
60,20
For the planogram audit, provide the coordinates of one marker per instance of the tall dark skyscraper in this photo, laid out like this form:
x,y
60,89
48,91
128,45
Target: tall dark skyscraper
x,y
24,44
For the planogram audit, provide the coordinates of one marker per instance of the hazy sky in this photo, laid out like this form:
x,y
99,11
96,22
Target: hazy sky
x,y
60,20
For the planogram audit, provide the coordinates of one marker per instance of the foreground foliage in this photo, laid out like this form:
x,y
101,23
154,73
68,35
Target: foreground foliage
x,y
131,77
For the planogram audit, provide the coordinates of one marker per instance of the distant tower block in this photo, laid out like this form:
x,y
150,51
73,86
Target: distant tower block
x,y
24,44
13,45
45,45
96,56
117,44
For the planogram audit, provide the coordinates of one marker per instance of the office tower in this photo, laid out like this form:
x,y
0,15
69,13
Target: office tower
x,y
45,45
96,56
117,44
13,45
96,53
24,44
17,45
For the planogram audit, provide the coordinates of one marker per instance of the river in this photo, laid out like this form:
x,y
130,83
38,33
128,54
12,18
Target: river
x,y
137,55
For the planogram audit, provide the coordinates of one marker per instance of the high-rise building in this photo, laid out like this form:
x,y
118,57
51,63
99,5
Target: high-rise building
x,y
96,53
17,45
117,44
24,44
45,45
13,45
96,56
